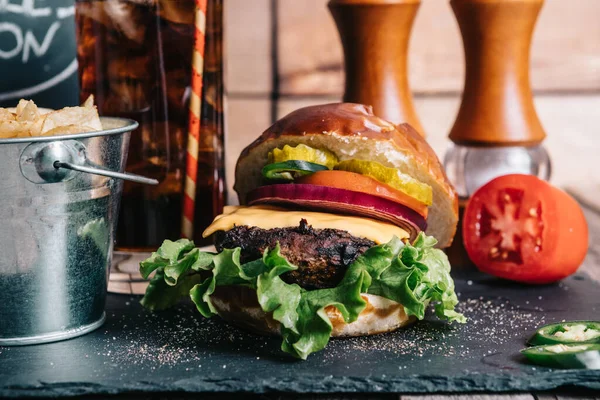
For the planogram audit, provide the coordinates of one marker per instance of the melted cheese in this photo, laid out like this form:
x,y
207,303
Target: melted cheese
x,y
267,217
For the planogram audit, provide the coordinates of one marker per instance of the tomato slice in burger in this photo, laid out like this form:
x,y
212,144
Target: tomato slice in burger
x,y
364,184
520,227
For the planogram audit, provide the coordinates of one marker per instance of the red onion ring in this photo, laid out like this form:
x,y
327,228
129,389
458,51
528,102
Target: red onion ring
x,y
341,201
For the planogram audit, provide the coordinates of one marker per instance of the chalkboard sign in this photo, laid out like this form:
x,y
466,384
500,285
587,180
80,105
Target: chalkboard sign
x,y
38,52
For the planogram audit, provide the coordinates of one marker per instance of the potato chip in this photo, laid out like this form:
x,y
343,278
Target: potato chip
x,y
89,102
67,130
6,115
27,120
21,105
25,129
81,116
27,111
11,129
35,128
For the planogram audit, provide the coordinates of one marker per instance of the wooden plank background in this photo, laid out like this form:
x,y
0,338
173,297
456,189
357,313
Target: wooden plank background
x,y
285,54
565,54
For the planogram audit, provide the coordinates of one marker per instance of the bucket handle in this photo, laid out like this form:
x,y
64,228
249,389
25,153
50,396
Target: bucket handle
x,y
111,174
53,162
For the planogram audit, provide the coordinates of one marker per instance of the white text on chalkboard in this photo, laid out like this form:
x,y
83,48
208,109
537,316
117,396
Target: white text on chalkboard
x,y
24,42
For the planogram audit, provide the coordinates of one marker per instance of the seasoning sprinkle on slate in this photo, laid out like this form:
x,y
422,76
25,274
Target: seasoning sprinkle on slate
x,y
494,322
187,338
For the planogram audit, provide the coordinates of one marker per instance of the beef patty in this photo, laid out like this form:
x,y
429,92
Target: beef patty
x,y
322,255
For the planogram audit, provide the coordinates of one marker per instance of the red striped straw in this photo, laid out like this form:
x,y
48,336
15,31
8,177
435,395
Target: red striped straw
x,y
189,198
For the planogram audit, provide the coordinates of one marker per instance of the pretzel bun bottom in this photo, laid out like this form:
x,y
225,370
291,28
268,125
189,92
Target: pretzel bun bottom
x,y
239,306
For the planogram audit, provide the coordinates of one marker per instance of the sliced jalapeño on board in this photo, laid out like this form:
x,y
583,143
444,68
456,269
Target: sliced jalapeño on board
x,y
573,332
584,356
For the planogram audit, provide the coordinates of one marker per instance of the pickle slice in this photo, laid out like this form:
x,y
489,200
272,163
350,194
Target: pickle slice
x,y
390,176
303,153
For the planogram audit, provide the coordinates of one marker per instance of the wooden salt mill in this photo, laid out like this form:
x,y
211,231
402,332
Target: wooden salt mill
x,y
497,130
375,36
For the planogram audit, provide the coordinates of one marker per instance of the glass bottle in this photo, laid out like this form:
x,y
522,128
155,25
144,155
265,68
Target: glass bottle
x,y
136,59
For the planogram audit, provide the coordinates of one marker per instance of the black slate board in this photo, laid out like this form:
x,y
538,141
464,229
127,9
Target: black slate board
x,y
179,351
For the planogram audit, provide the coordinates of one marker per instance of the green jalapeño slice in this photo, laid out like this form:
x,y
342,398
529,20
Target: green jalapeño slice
x,y
289,170
574,332
565,355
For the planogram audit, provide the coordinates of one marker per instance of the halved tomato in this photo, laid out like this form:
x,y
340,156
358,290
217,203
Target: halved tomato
x,y
364,184
520,227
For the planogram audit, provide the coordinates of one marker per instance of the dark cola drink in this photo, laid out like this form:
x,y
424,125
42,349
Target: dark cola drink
x,y
135,57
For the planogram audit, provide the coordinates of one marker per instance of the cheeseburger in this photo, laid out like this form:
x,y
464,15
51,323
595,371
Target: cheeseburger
x,y
338,233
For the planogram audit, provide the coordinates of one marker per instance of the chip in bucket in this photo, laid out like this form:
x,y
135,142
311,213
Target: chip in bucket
x,y
27,120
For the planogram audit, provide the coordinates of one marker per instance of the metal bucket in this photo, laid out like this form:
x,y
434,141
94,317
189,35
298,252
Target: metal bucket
x,y
59,203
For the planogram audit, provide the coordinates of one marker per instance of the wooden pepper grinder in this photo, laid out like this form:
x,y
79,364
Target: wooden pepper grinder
x,y
497,130
375,36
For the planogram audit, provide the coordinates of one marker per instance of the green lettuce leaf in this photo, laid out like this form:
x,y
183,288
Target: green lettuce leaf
x,y
226,270
167,255
276,296
160,295
273,294
314,327
414,275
